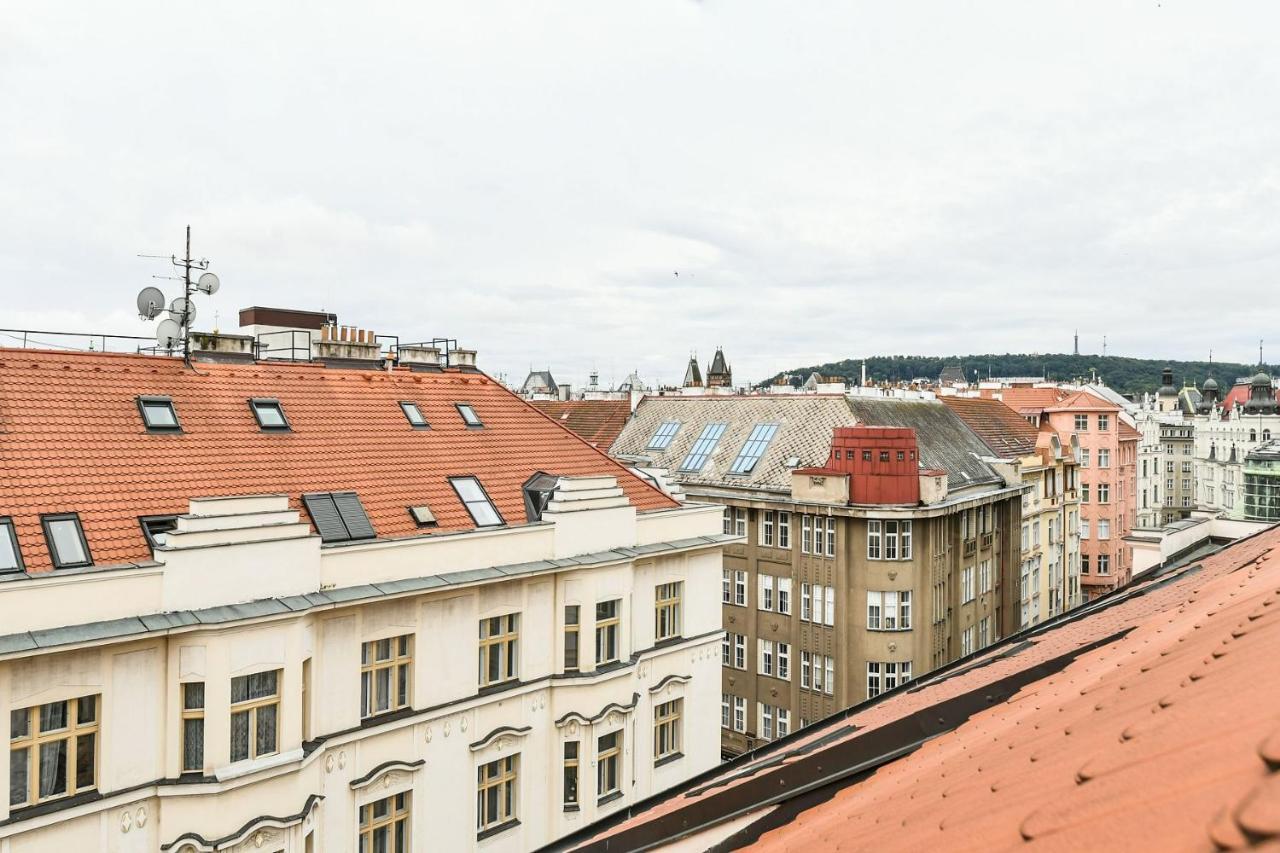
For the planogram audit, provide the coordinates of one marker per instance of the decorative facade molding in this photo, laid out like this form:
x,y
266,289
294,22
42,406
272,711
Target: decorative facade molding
x,y
383,769
256,832
501,732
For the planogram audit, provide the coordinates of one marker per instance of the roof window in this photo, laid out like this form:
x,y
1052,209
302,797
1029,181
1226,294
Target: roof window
x,y
702,448
10,556
338,516
754,448
270,415
469,416
67,545
538,490
158,414
476,500
662,436
157,528
423,516
414,415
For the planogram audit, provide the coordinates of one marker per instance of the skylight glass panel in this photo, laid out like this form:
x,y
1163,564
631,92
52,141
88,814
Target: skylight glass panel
x,y
413,414
10,557
662,438
67,546
477,502
469,416
702,448
158,413
753,449
270,414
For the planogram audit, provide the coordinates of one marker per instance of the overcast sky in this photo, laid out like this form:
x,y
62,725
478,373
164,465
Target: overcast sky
x,y
828,179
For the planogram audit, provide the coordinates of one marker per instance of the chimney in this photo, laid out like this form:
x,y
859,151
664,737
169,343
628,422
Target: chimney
x,y
210,346
464,358
418,357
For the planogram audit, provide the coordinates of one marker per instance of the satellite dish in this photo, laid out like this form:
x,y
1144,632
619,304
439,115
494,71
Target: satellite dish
x,y
208,284
150,302
168,334
180,306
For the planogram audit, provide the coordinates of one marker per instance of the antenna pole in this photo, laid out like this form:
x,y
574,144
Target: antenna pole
x,y
186,302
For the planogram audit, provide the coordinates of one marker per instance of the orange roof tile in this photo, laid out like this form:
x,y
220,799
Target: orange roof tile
x,y
1084,400
1006,432
72,440
1027,400
1149,721
598,422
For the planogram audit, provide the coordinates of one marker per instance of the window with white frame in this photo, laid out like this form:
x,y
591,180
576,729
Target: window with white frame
x,y
888,610
984,576
1104,423
1082,423
1104,528
784,596
1104,493
1104,457
829,674
831,537
726,705
784,530
806,602
740,588
967,637
1104,564
739,521
726,586
829,612
767,521
966,585
766,721
806,534
739,714
765,599
739,651
782,723
783,662
1084,528
874,540
806,669
764,657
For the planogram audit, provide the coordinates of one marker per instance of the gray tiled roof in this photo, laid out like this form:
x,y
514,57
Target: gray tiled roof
x,y
805,424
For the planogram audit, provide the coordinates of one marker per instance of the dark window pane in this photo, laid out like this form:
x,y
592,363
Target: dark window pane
x,y
53,716
18,761
381,839
383,686
240,736
86,756
193,695
402,685
193,744
366,681
402,831
381,808
20,723
239,689
53,768
87,710
404,646
267,729
571,650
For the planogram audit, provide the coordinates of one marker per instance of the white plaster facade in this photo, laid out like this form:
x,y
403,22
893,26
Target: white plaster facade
x,y
244,587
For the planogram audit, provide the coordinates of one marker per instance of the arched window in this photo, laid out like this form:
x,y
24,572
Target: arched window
x,y
1266,435
1253,435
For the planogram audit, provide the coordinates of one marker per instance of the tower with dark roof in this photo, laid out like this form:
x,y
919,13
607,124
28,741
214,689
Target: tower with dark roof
x,y
719,375
1262,399
693,373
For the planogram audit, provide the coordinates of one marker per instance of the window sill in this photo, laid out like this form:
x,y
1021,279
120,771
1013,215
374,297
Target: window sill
x,y
906,630
609,798
668,759
497,830
253,765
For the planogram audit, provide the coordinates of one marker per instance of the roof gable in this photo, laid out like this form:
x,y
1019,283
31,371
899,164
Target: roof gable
x,y
1005,432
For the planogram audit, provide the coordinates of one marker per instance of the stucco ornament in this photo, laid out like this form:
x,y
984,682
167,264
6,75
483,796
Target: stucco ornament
x,y
141,818
126,821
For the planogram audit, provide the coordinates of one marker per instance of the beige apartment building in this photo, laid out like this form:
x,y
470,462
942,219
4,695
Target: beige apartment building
x,y
1050,538
309,607
877,545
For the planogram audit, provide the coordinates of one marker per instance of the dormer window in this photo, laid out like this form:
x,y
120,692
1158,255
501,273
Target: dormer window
x,y
67,546
158,414
476,500
469,416
538,490
414,415
10,556
270,415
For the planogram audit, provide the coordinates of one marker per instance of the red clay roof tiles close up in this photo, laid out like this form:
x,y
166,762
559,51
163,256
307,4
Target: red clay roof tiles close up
x,y
598,422
1149,720
1006,432
72,440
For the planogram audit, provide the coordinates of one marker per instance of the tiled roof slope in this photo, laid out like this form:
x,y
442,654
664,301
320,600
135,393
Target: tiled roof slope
x,y
805,425
1149,720
945,441
1003,430
1026,400
72,440
598,422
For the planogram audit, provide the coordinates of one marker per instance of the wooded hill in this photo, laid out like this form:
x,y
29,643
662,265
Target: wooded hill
x,y
1126,375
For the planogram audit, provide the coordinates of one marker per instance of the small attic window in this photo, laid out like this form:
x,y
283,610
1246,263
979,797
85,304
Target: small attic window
x,y
158,414
423,516
338,516
10,556
270,415
157,528
67,546
538,490
469,416
476,500
414,415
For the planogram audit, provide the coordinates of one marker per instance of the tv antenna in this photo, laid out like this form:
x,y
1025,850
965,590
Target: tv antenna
x,y
175,328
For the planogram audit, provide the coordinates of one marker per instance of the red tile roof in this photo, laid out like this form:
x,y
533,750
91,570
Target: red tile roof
x,y
1085,401
1150,721
1006,432
1027,400
72,440
1237,396
598,422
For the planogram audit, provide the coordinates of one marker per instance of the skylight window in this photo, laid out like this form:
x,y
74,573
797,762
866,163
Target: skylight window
x,y
423,516
10,556
538,490
414,415
662,437
158,527
158,414
67,546
469,416
270,415
754,448
702,448
338,516
476,500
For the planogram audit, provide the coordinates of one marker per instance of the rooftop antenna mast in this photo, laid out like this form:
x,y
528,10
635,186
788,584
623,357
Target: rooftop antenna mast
x,y
182,311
